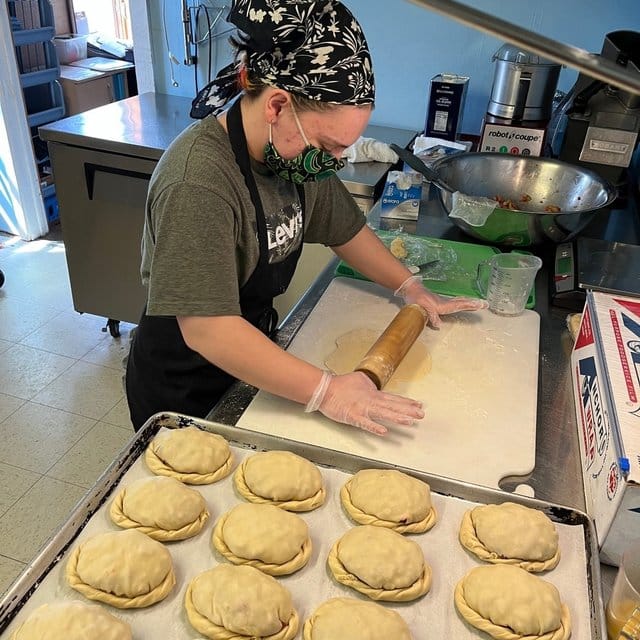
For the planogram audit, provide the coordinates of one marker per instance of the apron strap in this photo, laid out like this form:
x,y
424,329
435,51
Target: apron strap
x,y
239,146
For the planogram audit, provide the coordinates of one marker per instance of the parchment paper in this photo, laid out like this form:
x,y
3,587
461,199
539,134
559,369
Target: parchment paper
x,y
433,616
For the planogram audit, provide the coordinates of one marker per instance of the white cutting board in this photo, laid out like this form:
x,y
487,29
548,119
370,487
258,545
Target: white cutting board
x,y
480,396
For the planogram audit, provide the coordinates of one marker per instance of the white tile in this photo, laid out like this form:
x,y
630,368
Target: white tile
x,y
91,455
9,570
19,316
111,352
33,519
119,415
35,437
42,286
84,388
24,371
69,334
23,257
8,404
15,482
37,272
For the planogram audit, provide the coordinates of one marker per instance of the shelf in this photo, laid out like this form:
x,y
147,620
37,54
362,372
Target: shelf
x,y
32,32
43,117
37,64
39,77
33,36
45,103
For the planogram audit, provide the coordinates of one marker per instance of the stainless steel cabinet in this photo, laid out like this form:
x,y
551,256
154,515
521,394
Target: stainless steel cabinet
x,y
102,197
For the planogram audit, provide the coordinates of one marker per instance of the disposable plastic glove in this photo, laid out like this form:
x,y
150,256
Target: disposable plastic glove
x,y
412,291
353,399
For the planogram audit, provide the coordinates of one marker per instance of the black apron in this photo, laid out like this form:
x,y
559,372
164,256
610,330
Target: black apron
x,y
163,373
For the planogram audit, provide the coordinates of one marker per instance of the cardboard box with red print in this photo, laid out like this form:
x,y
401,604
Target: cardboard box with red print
x,y
605,368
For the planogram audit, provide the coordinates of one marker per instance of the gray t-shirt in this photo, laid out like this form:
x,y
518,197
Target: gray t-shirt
x,y
200,238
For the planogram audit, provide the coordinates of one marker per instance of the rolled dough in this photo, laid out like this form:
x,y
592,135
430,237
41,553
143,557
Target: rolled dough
x,y
351,347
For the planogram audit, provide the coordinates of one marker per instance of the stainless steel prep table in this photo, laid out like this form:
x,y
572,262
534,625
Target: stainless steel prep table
x,y
102,162
557,476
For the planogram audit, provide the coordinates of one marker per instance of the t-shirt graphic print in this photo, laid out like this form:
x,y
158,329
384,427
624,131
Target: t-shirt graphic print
x,y
284,231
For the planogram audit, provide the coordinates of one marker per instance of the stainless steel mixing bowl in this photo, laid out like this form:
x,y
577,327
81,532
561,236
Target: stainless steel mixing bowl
x,y
576,191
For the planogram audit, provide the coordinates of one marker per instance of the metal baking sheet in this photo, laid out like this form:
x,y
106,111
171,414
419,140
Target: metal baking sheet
x,y
577,576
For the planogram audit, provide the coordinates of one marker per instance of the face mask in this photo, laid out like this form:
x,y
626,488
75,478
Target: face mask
x,y
311,164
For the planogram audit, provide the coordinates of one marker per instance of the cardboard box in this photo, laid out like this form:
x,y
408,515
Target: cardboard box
x,y
401,195
605,368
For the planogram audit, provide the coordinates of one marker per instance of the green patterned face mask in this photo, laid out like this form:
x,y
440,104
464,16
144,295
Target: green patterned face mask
x,y
311,164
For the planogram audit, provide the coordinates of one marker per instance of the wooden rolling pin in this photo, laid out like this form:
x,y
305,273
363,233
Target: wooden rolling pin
x,y
381,361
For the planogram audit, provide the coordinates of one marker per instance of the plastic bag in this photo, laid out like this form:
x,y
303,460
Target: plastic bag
x,y
472,209
414,251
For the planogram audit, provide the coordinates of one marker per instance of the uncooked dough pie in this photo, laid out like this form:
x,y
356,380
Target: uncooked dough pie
x,y
190,455
510,603
356,620
263,536
511,533
389,498
71,620
234,603
125,569
381,564
163,508
281,478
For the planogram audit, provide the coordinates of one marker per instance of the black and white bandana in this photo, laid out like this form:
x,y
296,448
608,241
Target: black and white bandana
x,y
315,49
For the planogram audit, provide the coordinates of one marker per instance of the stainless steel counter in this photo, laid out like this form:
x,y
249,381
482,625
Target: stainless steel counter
x,y
142,126
365,180
557,475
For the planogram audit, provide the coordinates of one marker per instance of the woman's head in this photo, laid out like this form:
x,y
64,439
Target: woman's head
x,y
315,50
306,143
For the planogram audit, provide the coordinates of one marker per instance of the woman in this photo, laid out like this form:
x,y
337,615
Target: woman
x,y
229,205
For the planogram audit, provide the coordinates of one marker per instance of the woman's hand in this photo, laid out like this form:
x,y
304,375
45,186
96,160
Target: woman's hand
x,y
412,291
353,399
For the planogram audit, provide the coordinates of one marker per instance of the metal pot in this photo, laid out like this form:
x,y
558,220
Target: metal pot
x,y
576,191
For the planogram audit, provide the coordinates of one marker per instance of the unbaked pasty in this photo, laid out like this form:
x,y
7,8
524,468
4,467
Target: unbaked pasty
x,y
125,569
233,603
71,620
190,455
281,478
510,603
389,498
347,618
380,563
263,536
163,508
511,533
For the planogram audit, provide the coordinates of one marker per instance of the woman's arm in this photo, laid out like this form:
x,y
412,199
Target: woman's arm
x,y
236,346
366,253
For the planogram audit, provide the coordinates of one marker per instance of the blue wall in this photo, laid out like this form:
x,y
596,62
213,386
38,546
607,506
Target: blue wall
x,y
411,44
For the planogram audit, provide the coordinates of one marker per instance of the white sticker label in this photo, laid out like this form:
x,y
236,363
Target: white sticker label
x,y
440,121
514,140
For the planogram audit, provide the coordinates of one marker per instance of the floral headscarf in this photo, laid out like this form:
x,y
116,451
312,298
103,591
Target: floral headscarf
x,y
315,49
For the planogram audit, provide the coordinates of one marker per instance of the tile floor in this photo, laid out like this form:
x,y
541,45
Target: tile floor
x,y
63,412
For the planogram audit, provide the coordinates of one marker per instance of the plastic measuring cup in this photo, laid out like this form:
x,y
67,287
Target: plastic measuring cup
x,y
623,608
506,280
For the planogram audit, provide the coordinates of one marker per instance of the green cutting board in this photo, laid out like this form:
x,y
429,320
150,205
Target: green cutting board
x,y
456,272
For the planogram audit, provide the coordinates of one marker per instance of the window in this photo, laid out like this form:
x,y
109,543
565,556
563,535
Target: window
x,y
110,18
